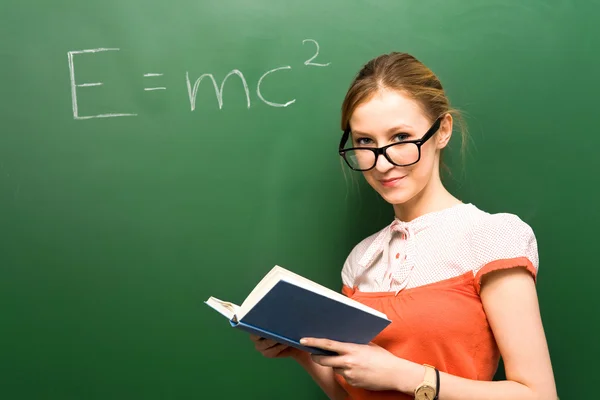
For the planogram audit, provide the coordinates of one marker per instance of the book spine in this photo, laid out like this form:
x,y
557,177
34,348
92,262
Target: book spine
x,y
279,339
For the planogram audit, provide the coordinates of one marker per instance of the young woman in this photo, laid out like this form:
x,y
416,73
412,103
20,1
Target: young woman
x,y
457,282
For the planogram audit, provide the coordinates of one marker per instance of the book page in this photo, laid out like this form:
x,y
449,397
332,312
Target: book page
x,y
262,288
225,308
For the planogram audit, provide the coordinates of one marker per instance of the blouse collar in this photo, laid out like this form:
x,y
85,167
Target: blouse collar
x,y
408,230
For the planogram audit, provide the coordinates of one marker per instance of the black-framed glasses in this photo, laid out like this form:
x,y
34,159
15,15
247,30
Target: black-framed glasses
x,y
401,154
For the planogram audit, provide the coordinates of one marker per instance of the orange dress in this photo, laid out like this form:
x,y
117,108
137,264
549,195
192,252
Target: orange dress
x,y
425,276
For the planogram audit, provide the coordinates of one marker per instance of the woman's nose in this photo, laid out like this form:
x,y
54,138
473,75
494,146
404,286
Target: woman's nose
x,y
383,165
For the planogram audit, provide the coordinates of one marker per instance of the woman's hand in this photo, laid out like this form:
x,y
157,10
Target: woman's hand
x,y
323,376
271,349
366,366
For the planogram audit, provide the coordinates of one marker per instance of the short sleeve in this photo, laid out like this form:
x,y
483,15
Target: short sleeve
x,y
352,270
503,241
348,277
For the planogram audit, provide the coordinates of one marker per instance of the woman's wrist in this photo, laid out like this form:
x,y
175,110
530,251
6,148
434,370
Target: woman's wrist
x,y
408,376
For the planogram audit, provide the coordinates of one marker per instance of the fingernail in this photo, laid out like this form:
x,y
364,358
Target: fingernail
x,y
303,341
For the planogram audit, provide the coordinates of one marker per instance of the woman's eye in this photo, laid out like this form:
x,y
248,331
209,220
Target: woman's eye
x,y
363,141
400,137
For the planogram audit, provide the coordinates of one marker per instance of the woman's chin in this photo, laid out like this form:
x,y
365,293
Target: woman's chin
x,y
395,196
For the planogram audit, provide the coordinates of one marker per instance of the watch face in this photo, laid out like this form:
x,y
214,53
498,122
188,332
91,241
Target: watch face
x,y
425,393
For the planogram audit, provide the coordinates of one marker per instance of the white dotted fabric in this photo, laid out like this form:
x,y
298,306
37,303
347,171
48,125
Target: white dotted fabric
x,y
437,246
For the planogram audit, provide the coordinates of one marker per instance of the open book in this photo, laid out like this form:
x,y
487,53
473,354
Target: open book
x,y
286,307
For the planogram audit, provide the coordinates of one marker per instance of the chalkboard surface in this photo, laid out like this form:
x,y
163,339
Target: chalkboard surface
x,y
153,154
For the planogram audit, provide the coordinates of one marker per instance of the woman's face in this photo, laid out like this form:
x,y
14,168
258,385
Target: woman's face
x,y
390,117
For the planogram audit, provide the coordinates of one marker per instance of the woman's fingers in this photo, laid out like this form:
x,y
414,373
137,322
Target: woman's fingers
x,y
274,351
269,348
262,344
255,338
265,344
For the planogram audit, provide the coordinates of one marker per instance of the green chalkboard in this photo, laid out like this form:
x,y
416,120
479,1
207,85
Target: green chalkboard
x,y
155,153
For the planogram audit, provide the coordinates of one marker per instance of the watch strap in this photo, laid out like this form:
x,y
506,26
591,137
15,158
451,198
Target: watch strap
x,y
430,376
437,384
432,379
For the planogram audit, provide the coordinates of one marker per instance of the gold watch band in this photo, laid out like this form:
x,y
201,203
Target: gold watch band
x,y
430,376
428,389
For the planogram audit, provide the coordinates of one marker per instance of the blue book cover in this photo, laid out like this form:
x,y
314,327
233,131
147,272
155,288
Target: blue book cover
x,y
286,307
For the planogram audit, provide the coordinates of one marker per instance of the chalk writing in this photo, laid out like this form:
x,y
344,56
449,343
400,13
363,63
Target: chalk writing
x,y
218,90
153,75
260,96
74,86
192,89
309,62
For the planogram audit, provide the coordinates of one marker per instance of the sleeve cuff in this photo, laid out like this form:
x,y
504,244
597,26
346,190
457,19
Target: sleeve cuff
x,y
496,265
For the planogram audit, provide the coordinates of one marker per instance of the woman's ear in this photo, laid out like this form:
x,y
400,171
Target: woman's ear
x,y
445,132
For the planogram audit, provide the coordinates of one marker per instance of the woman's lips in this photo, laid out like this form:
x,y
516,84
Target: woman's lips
x,y
391,182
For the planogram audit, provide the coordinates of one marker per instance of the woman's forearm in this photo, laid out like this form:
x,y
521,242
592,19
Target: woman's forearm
x,y
323,376
456,388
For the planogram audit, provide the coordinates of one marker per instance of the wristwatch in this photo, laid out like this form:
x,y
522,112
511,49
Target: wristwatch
x,y
429,388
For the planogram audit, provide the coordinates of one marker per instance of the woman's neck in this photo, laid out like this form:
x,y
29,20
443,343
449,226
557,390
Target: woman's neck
x,y
434,197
